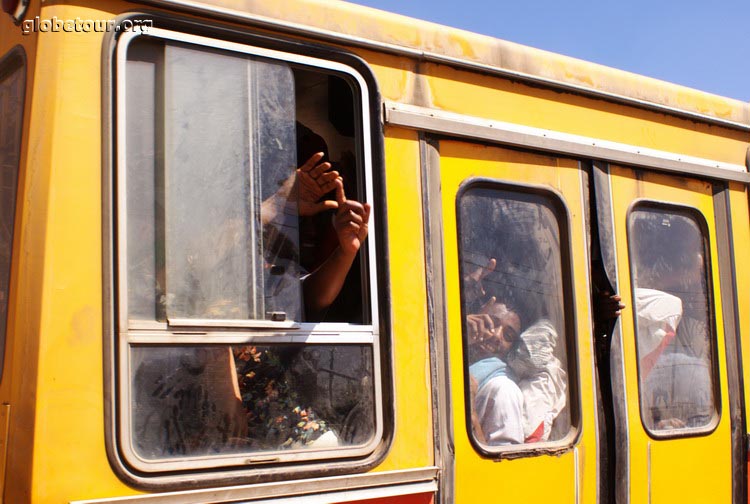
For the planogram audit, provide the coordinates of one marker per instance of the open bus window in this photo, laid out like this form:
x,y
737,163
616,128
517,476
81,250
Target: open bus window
x,y
669,267
228,211
12,81
217,228
518,342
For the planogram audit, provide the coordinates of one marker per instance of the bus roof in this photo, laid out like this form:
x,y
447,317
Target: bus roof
x,y
352,24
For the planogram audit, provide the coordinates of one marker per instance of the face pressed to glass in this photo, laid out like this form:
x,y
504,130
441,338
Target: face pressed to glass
x,y
496,331
512,285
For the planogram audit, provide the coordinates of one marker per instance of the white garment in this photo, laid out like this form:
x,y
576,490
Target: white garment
x,y
499,407
542,379
658,314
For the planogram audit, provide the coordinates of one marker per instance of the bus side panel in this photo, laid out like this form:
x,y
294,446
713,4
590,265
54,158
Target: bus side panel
x,y
412,440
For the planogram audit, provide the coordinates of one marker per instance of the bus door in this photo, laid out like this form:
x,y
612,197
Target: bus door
x,y
678,438
518,348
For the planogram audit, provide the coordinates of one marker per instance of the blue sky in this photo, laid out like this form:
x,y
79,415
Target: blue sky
x,y
703,44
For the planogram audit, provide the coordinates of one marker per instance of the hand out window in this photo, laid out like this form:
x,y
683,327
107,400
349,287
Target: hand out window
x,y
242,182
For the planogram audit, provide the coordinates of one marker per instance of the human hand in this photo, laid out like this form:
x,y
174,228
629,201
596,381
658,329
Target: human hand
x,y
480,324
350,221
314,181
607,306
473,281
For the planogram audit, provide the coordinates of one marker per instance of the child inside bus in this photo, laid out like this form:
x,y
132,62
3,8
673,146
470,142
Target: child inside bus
x,y
497,404
518,385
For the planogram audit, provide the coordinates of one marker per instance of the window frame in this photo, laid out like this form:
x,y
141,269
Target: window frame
x,y
556,203
12,61
699,219
373,334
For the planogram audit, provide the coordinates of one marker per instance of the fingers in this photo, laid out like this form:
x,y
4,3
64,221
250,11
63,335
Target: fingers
x,y
325,205
352,210
489,304
320,169
327,179
340,196
491,265
312,162
365,220
480,326
327,182
481,272
350,221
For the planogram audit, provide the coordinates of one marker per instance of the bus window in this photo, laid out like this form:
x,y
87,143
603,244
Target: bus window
x,y
244,260
674,328
12,74
518,342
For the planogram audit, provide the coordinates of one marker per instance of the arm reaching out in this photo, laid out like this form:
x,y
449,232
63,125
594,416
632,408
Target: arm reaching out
x,y
351,225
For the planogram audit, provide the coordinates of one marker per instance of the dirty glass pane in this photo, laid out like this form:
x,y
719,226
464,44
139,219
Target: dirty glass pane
x,y
145,292
210,400
11,127
514,321
212,218
674,327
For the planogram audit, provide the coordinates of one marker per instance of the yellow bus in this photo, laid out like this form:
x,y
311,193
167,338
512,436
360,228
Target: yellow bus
x,y
307,251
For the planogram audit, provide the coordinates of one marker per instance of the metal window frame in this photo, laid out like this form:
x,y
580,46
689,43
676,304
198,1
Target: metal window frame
x,y
334,461
602,187
12,61
697,216
474,128
732,338
561,211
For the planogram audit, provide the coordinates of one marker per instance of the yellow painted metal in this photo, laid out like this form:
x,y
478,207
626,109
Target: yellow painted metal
x,y
362,23
695,469
62,244
479,479
53,370
19,369
412,444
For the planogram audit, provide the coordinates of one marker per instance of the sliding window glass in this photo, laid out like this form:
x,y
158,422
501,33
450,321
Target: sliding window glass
x,y
670,267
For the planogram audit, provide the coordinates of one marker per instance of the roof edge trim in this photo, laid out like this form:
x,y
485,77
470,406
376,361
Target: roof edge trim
x,y
294,28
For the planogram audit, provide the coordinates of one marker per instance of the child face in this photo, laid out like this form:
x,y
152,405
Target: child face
x,y
506,326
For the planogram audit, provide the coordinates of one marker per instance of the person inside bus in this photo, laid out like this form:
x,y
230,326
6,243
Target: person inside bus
x,y
312,183
541,377
259,389
496,399
517,383
266,384
672,322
